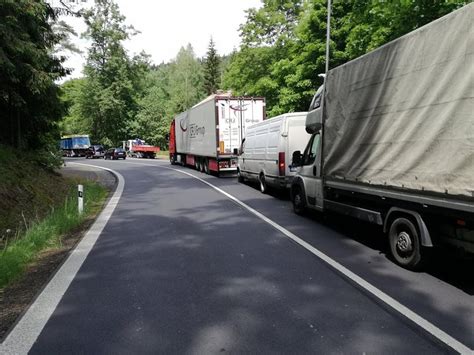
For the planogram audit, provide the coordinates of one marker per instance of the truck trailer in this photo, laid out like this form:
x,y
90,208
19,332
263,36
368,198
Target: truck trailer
x,y
209,134
393,141
75,145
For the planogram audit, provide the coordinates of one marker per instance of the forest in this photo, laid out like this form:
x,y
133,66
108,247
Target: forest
x,y
124,95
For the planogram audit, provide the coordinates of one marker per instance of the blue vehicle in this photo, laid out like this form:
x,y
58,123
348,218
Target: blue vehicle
x,y
75,145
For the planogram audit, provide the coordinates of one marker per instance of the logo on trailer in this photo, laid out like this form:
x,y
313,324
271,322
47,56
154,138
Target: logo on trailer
x,y
185,128
241,107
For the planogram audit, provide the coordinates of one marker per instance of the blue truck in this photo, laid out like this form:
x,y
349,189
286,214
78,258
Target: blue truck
x,y
75,145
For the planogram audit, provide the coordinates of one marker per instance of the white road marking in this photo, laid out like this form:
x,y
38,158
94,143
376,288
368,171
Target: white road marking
x,y
394,304
27,330
24,334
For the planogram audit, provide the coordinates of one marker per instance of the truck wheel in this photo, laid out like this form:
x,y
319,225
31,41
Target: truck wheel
x,y
298,200
405,243
206,166
263,183
201,166
240,178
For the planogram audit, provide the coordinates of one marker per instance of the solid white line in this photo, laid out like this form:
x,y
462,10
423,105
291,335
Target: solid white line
x,y
403,310
22,337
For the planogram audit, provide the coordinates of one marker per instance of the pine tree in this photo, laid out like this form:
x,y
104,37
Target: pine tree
x,y
211,69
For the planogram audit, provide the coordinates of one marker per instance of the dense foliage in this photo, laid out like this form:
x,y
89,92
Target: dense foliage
x,y
281,54
283,43
29,103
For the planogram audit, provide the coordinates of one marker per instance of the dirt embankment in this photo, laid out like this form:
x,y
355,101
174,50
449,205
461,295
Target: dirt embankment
x,y
27,193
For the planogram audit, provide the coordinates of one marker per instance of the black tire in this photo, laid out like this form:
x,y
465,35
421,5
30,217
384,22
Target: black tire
x,y
298,200
262,183
405,245
206,166
240,178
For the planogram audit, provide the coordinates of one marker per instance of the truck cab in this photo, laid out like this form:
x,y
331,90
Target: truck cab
x,y
307,185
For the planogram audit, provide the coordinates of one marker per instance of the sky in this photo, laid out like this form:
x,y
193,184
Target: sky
x,y
168,25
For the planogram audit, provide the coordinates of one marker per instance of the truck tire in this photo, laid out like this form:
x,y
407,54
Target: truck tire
x,y
240,178
405,243
201,165
298,200
262,183
206,166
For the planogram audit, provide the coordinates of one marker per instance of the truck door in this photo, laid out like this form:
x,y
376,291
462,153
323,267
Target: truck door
x,y
311,173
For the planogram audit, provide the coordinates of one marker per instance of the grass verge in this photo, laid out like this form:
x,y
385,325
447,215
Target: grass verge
x,y
18,252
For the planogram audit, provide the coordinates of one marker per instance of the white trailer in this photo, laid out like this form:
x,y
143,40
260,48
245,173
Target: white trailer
x,y
266,150
209,134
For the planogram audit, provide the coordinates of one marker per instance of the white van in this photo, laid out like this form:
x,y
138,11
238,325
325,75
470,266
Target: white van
x,y
266,151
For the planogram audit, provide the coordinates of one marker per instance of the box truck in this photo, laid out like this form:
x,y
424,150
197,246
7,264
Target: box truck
x,y
266,150
209,134
393,141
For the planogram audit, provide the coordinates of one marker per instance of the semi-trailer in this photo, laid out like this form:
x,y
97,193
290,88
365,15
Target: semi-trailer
x,y
393,141
209,134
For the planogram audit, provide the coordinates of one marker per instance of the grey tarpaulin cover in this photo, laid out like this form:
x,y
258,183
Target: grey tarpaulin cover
x,y
403,115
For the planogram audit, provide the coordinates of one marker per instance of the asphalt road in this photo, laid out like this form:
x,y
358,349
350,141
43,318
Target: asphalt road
x,y
181,268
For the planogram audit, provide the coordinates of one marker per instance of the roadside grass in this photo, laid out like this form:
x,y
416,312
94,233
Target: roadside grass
x,y
21,250
165,153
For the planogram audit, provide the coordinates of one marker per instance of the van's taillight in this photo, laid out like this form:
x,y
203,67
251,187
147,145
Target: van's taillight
x,y
281,163
461,222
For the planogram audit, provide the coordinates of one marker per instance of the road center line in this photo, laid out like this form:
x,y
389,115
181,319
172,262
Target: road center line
x,y
394,304
24,334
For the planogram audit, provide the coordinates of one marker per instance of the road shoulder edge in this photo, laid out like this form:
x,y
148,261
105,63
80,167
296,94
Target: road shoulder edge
x,y
24,334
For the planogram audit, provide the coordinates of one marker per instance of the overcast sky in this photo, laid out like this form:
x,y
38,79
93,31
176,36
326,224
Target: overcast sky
x,y
166,26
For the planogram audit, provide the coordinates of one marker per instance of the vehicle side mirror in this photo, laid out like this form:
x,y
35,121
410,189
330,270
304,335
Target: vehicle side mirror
x,y
167,136
296,159
236,151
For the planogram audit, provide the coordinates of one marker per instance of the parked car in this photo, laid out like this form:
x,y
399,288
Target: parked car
x,y
266,151
95,151
115,153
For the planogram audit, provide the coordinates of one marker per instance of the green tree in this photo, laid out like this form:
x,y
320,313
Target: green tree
x,y
186,80
107,98
29,103
212,73
73,122
153,117
283,43
267,37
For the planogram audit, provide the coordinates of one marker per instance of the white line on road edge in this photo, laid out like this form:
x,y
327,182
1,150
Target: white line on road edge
x,y
22,337
404,311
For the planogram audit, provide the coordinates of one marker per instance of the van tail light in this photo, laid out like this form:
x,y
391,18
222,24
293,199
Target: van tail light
x,y
281,163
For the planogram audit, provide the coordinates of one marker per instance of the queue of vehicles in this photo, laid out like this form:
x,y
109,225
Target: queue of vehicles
x,y
79,146
389,141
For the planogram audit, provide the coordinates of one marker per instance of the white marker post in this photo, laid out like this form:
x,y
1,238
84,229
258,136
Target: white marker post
x,y
80,198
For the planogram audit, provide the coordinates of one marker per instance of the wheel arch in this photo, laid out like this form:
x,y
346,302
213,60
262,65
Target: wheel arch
x,y
298,182
423,230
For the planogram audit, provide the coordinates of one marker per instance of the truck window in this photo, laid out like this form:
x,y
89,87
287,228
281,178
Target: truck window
x,y
316,103
311,150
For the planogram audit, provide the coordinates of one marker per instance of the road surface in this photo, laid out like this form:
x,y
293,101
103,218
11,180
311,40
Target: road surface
x,y
182,268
